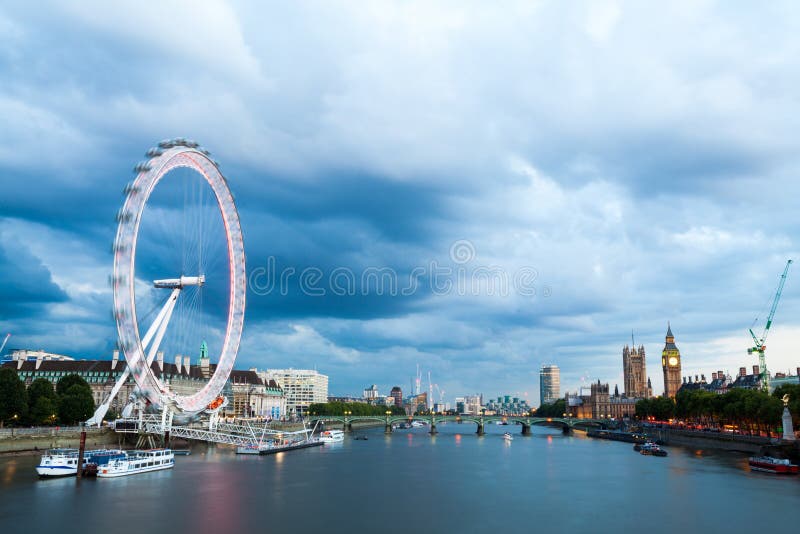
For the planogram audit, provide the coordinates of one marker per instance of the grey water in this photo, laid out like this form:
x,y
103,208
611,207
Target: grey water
x,y
412,482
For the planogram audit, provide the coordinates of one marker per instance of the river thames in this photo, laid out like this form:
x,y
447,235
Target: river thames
x,y
411,482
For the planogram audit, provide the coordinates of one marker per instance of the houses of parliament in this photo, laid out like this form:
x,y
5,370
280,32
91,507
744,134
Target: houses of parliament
x,y
637,385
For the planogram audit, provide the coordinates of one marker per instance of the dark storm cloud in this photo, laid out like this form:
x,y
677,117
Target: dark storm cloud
x,y
27,285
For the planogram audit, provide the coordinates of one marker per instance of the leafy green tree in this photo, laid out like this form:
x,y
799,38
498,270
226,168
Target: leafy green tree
x,y
644,408
76,404
43,411
66,382
553,409
13,397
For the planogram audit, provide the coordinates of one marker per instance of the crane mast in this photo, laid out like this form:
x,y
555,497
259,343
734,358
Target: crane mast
x,y
4,343
760,342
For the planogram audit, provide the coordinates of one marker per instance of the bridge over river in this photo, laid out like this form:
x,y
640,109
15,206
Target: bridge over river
x,y
567,424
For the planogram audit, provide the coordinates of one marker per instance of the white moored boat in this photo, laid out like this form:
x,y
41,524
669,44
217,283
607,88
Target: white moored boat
x,y
331,436
64,462
508,437
136,462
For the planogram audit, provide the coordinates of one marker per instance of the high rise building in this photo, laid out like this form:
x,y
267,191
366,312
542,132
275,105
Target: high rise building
x,y
397,395
635,372
302,387
549,384
371,393
671,364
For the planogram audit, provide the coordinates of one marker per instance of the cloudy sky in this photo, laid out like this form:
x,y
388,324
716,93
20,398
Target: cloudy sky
x,y
621,164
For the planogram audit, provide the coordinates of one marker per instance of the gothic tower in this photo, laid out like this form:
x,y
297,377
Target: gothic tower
x,y
671,364
634,372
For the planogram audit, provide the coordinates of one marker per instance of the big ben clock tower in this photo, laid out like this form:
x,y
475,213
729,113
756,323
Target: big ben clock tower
x,y
671,364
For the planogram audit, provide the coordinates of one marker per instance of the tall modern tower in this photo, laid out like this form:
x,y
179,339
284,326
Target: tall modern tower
x,y
671,364
549,384
397,395
635,372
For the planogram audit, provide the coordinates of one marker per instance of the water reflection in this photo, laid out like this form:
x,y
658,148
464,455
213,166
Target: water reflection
x,y
312,490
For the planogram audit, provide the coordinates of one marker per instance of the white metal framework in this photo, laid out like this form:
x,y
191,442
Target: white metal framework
x,y
212,430
171,155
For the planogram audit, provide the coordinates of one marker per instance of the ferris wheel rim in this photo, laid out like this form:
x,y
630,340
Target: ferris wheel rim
x,y
149,175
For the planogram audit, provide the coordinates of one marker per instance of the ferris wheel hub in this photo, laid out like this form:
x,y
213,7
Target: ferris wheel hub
x,y
180,283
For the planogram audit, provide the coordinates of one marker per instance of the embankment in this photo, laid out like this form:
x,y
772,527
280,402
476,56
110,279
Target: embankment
x,y
37,439
723,441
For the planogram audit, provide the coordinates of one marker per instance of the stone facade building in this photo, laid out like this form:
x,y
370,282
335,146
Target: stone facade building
x,y
244,388
634,371
599,404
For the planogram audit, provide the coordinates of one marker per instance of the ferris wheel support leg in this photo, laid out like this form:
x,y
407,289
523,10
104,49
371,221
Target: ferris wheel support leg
x,y
169,307
159,326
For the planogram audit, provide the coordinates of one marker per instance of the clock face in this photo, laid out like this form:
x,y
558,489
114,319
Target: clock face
x,y
673,361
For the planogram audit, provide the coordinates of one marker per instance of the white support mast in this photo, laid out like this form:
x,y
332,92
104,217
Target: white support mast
x,y
157,329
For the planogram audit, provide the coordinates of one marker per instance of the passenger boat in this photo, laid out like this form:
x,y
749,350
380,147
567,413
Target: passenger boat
x,y
64,462
331,436
136,462
508,437
769,464
651,449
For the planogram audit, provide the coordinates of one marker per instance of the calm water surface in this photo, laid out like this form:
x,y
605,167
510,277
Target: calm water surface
x,y
410,482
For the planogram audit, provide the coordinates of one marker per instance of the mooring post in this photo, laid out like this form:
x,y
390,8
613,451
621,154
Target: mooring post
x,y
526,429
81,449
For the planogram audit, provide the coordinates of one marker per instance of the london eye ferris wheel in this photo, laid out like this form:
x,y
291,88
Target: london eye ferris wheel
x,y
196,249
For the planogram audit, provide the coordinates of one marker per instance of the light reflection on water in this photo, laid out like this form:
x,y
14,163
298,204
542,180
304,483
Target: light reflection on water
x,y
570,483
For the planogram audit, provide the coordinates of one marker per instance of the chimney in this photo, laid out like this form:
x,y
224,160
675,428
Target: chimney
x,y
714,375
755,370
702,378
178,360
742,371
114,359
720,375
695,378
798,371
160,360
187,364
20,361
684,379
38,360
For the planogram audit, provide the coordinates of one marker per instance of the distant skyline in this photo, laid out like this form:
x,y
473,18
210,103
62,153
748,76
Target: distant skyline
x,y
625,164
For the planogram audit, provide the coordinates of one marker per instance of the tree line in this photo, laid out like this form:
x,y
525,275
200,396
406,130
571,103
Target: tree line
x,y
355,408
553,409
749,409
69,402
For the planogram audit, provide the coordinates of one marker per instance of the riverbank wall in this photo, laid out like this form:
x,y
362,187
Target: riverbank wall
x,y
724,441
38,439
